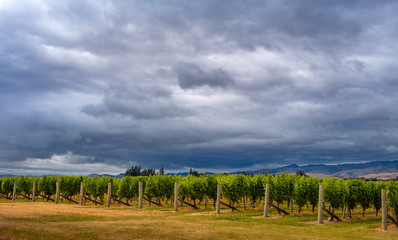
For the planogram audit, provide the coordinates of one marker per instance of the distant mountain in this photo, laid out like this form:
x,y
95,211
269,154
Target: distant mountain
x,y
8,175
376,169
184,174
120,175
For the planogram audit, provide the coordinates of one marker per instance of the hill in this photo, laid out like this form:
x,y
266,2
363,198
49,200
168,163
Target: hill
x,y
375,169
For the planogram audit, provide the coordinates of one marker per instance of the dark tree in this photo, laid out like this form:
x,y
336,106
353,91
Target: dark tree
x,y
134,171
301,173
148,172
193,172
161,171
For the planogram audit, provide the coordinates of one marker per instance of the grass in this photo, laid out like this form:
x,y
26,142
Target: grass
x,y
41,220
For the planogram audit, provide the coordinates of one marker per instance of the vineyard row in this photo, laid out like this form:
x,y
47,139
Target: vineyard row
x,y
236,189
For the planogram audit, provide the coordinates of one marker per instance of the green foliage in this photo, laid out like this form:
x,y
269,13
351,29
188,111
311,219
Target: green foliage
x,y
302,189
283,185
96,187
392,195
198,185
234,187
194,187
160,186
128,186
47,185
375,193
7,185
184,187
270,180
313,192
70,185
166,185
353,191
125,187
256,187
334,192
365,197
211,186
24,184
115,186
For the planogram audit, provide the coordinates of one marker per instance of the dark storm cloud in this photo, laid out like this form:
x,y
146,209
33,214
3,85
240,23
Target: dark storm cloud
x,y
192,76
139,109
102,85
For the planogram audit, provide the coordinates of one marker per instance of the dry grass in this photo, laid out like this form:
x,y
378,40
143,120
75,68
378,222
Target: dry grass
x,y
41,220
384,176
27,209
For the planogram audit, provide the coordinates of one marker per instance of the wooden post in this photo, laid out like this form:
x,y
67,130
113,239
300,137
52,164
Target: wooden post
x,y
57,193
109,194
344,210
384,209
218,198
266,201
206,198
34,191
320,204
176,197
291,205
14,191
81,194
140,191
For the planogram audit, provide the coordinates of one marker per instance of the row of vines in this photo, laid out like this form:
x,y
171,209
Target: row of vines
x,y
240,190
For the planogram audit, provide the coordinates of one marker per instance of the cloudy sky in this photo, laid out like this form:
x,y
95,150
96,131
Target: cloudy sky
x,y
99,86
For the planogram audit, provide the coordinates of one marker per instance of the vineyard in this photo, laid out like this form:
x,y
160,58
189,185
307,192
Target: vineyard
x,y
239,193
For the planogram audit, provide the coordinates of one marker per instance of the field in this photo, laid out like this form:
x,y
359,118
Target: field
x,y
45,220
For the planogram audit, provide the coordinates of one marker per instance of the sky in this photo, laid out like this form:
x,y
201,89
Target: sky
x,y
98,86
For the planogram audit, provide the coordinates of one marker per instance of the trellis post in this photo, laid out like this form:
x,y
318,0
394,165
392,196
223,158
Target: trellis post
x,y
109,194
57,193
176,197
320,204
218,198
140,192
34,191
266,201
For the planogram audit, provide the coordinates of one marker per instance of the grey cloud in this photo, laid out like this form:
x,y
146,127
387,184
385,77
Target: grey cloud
x,y
192,76
205,84
355,65
252,24
149,109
